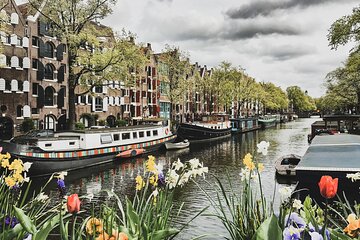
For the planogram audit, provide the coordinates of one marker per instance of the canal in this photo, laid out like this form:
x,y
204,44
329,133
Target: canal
x,y
222,157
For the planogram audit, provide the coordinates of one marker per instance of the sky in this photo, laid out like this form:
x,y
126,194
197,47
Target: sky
x,y
278,41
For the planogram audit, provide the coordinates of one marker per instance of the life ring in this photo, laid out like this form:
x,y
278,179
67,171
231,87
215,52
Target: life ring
x,y
167,131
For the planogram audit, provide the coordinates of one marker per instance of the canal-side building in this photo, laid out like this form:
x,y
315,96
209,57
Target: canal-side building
x,y
14,68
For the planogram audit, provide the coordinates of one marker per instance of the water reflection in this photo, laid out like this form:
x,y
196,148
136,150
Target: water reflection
x,y
222,157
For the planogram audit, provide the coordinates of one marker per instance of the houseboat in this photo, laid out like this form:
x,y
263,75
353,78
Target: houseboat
x,y
267,121
210,127
242,125
69,150
334,155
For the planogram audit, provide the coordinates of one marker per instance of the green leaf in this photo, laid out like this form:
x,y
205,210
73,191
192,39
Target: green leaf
x,y
44,231
12,233
269,230
164,234
25,221
133,217
335,235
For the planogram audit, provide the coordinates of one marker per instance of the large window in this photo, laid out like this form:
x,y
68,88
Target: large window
x,y
49,71
49,50
49,96
98,104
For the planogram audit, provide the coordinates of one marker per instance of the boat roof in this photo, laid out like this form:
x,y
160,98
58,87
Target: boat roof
x,y
339,117
339,152
115,129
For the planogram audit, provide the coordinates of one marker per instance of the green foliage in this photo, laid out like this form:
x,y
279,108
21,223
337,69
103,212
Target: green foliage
x,y
299,100
79,126
102,122
120,123
275,98
269,230
27,125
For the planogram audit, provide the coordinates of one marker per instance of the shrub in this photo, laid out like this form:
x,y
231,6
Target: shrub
x,y
120,123
79,126
27,125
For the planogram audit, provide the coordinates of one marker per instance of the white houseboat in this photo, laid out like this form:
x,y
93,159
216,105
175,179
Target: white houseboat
x,y
69,150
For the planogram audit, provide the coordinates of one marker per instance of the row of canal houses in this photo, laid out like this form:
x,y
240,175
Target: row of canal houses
x,y
34,75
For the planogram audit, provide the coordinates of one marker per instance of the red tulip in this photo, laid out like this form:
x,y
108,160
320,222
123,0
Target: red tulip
x,y
328,186
73,203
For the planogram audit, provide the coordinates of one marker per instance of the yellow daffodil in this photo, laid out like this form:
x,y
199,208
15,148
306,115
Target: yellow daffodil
x,y
139,183
17,165
260,167
153,180
353,226
94,224
150,165
18,177
5,163
10,181
248,162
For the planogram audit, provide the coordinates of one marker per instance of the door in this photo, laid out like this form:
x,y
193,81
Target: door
x,y
6,128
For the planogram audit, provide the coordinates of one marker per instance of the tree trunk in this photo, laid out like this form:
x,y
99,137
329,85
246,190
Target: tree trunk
x,y
72,84
357,109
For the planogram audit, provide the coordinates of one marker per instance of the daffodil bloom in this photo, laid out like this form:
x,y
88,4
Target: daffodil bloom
x,y
16,165
41,197
353,176
194,163
153,180
61,175
177,165
185,177
5,163
27,166
172,179
10,181
150,165
297,204
285,193
262,147
18,177
260,167
245,174
354,224
94,225
139,183
248,161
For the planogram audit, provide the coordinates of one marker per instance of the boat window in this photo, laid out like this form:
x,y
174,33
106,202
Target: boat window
x,y
106,138
125,136
134,135
148,133
155,132
71,143
141,134
48,144
116,137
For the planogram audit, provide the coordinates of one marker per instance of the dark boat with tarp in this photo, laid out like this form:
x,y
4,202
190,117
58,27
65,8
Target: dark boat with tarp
x,y
242,125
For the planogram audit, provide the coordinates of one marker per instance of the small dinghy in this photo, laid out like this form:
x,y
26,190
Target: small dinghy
x,y
178,145
285,165
131,153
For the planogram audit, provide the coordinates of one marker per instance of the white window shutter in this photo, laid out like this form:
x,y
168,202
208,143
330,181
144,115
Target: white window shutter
x,y
14,61
117,102
26,62
26,86
111,101
13,39
79,99
14,18
3,36
26,111
2,84
14,85
122,101
105,87
25,42
93,104
2,60
105,104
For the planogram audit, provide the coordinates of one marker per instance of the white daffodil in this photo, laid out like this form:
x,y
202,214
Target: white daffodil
x,y
353,176
185,177
41,197
177,165
262,147
26,179
155,193
172,179
159,167
194,163
297,204
285,193
62,175
27,166
245,174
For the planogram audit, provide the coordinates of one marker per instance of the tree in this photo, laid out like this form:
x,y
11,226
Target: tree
x,y
4,19
299,100
345,29
176,68
275,98
75,22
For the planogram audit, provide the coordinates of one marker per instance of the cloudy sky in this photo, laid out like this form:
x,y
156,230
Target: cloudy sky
x,y
279,41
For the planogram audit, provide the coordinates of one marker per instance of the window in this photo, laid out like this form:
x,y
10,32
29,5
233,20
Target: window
x,y
98,89
35,41
35,63
8,61
71,143
125,136
48,144
19,41
49,71
49,96
148,133
141,134
134,135
155,132
20,86
19,111
49,50
116,137
21,63
106,138
35,88
7,85
83,99
98,104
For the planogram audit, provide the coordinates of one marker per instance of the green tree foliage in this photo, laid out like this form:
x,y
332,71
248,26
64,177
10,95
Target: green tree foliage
x,y
299,100
95,54
345,29
274,99
3,23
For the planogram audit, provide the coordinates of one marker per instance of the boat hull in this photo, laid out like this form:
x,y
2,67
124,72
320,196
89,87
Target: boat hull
x,y
175,146
198,133
48,163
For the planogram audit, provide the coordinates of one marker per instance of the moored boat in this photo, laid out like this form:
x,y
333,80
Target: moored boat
x,y
267,121
131,153
210,127
285,165
69,150
242,125
177,145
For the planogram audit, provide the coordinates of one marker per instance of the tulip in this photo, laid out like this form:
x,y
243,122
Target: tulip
x,y
328,186
73,203
123,236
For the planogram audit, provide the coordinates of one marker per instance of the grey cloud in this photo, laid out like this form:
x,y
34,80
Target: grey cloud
x,y
288,52
265,8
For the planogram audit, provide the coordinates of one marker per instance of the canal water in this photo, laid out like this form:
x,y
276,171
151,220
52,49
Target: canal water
x,y
222,157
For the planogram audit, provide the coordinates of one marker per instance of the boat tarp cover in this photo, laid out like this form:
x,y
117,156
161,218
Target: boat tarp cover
x,y
339,152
